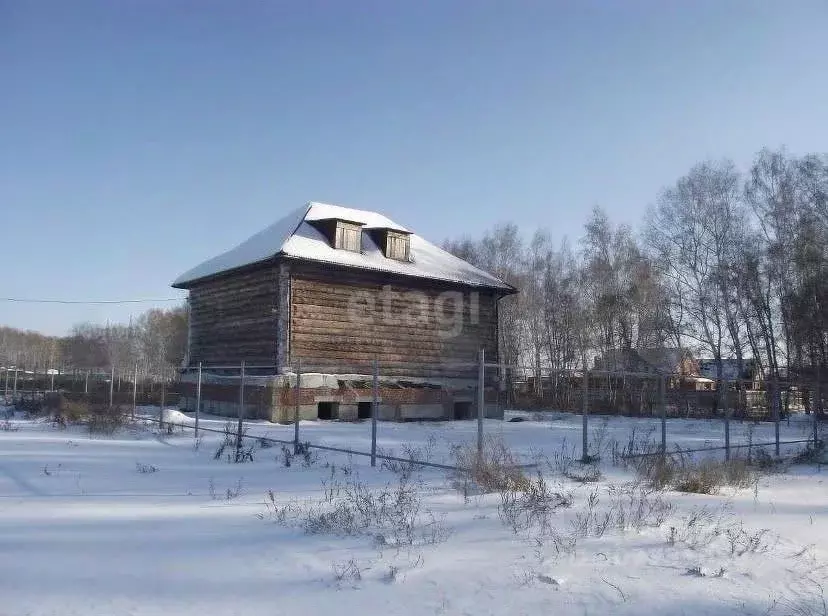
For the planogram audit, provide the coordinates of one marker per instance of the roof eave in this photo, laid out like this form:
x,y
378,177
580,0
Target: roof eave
x,y
188,284
502,290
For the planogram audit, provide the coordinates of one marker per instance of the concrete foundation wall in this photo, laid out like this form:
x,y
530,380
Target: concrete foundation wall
x,y
275,398
223,408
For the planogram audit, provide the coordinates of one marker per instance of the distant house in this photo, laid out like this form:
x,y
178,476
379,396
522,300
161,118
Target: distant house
x,y
677,364
673,361
336,288
708,368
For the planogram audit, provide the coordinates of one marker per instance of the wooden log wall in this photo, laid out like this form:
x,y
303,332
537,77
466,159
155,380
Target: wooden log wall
x,y
234,318
348,318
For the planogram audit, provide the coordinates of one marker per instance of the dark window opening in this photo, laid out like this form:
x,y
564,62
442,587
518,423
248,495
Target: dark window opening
x,y
327,410
363,410
462,410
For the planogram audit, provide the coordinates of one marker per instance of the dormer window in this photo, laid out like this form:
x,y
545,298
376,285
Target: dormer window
x,y
397,245
393,243
348,236
341,234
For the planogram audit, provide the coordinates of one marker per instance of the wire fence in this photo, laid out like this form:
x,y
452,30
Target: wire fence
x,y
378,390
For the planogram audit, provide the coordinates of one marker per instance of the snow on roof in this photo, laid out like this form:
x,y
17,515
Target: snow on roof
x,y
700,379
294,236
370,220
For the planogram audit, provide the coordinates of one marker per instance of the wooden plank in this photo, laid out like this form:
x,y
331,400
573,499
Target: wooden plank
x,y
232,318
323,324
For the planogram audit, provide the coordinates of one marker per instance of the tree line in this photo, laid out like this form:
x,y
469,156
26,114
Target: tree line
x,y
727,263
155,342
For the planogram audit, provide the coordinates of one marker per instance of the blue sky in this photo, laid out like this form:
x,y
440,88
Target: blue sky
x,y
141,137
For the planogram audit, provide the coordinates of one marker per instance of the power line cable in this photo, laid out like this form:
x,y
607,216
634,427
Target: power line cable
x,y
102,301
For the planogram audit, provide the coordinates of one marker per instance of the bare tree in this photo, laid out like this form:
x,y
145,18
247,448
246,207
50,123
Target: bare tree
x,y
694,234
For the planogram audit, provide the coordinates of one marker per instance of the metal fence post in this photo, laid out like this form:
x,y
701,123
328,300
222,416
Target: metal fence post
x,y
816,407
86,383
198,400
52,381
726,417
163,402
481,375
585,421
241,414
135,391
14,393
111,386
662,394
6,392
297,390
374,409
776,413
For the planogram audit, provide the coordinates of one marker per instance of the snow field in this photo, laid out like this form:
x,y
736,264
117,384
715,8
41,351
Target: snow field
x,y
141,524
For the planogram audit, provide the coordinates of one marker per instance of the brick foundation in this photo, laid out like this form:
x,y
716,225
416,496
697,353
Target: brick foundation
x,y
274,398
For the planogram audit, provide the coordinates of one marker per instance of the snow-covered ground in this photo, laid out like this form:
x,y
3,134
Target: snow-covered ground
x,y
142,524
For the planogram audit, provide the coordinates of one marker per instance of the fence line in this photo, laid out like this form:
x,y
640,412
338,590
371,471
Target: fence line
x,y
586,376
649,387
719,448
345,450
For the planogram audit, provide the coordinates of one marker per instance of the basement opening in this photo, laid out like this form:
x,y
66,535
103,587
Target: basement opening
x,y
363,410
327,410
462,410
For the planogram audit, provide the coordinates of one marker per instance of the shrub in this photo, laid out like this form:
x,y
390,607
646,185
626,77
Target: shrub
x,y
629,506
743,541
708,477
230,493
680,473
494,469
106,420
811,454
531,507
309,457
589,473
346,571
287,456
704,480
220,450
636,445
243,454
71,412
393,515
763,460
8,426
